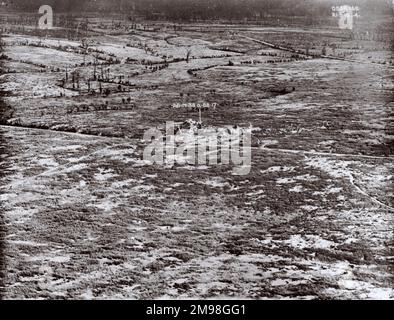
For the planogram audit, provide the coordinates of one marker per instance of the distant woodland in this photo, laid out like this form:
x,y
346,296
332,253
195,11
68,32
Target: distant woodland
x,y
203,9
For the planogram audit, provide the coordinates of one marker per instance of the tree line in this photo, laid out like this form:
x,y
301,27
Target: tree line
x,y
205,9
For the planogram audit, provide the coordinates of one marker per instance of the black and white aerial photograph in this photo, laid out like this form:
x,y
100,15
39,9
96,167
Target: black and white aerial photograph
x,y
214,150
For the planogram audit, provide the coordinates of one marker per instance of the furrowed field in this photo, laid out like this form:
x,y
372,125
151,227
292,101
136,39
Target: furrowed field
x,y
85,217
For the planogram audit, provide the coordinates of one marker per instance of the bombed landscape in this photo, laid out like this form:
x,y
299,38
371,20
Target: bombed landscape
x,y
104,194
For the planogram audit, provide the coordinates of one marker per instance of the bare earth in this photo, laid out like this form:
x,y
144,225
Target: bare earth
x,y
84,217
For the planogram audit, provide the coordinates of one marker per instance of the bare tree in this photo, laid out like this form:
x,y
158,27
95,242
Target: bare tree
x,y
85,46
73,79
188,54
95,68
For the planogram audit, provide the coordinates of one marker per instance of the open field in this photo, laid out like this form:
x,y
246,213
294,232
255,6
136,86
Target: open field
x,y
83,216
